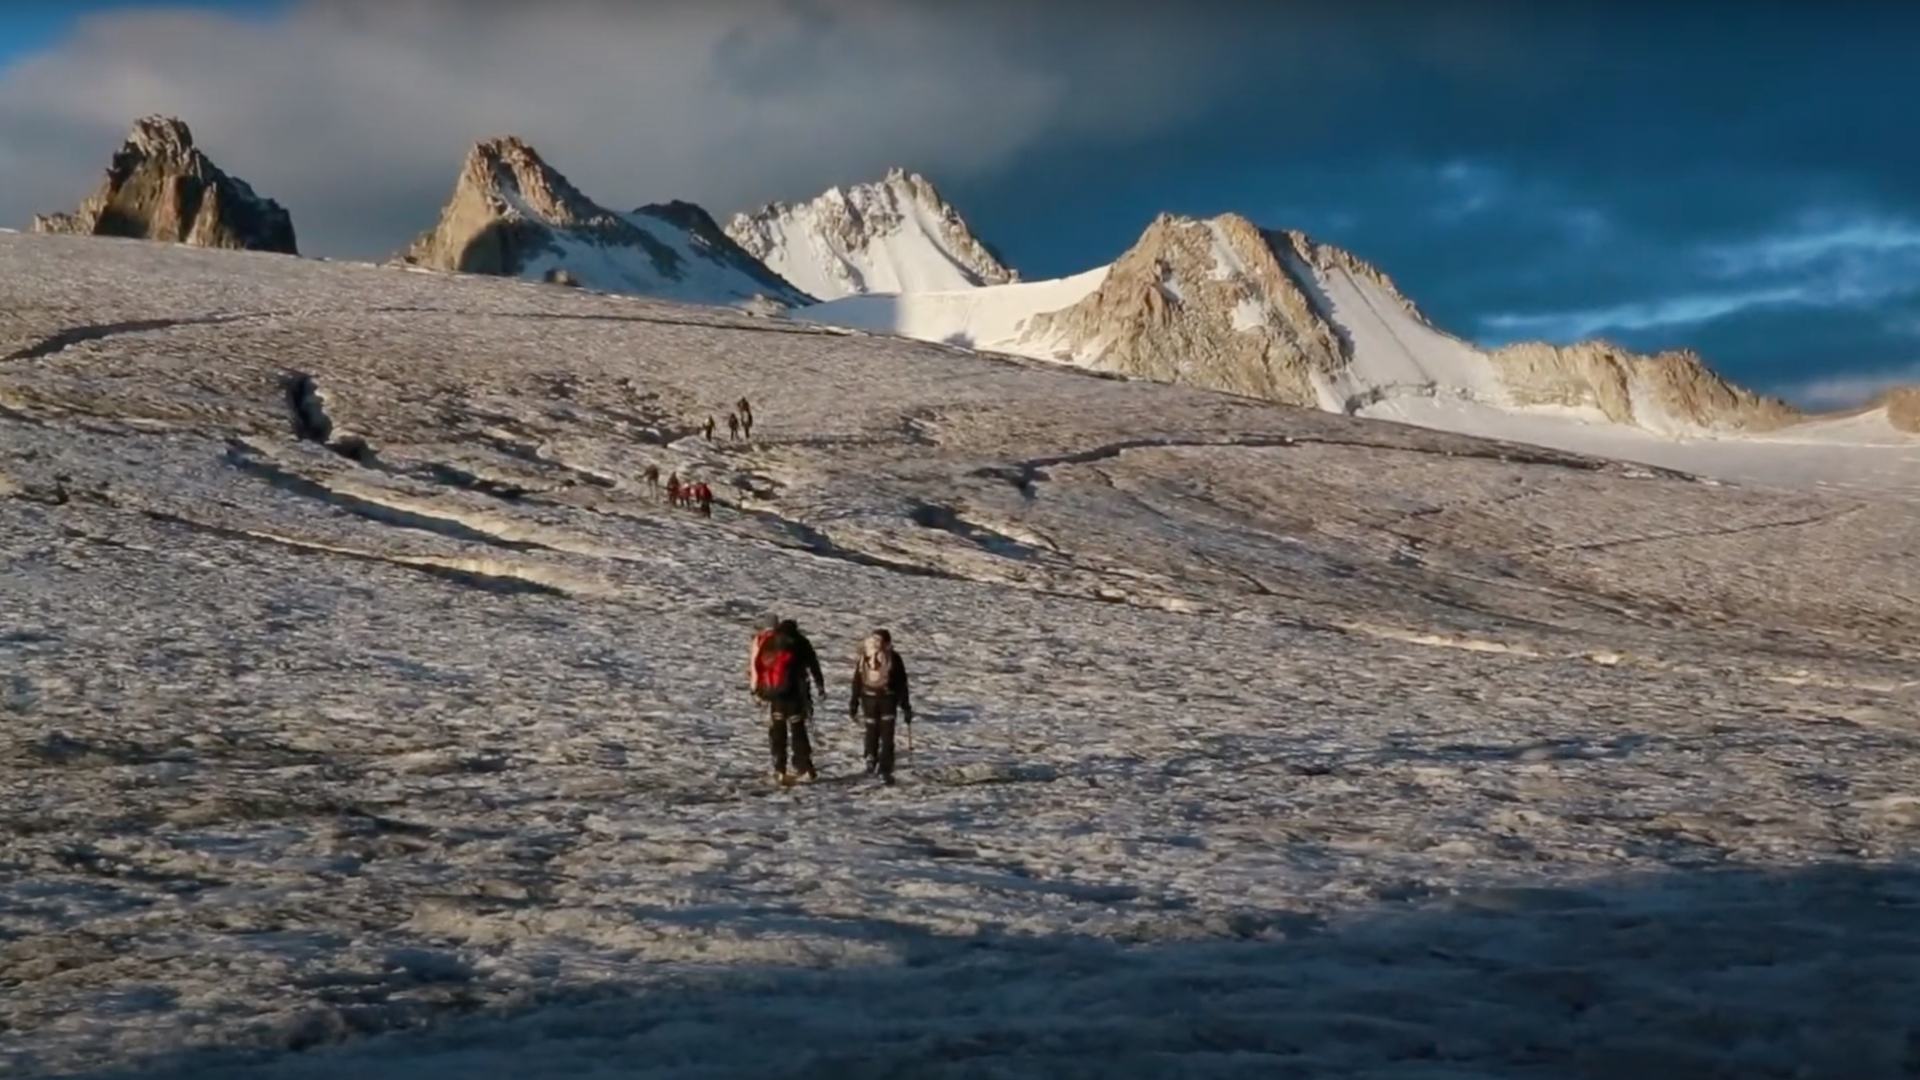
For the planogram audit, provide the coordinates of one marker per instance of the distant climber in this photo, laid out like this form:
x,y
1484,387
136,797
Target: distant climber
x,y
673,489
880,691
746,418
709,429
733,425
703,497
652,477
782,661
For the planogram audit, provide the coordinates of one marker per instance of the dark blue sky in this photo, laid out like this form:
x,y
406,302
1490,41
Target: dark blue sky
x,y
1739,179
1742,181
30,25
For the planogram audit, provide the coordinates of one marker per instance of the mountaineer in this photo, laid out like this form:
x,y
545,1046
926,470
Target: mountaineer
x,y
781,660
880,691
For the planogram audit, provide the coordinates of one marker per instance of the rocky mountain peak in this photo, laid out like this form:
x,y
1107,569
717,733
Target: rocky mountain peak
x,y
163,137
160,186
508,174
1227,305
512,214
1219,303
1673,390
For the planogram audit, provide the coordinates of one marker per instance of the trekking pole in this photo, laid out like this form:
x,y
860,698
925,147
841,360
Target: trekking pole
x,y
909,744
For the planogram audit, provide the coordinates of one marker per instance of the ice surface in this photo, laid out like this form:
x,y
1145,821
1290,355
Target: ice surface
x,y
1253,741
991,317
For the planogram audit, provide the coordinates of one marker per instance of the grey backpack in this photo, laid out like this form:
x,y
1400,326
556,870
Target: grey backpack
x,y
876,665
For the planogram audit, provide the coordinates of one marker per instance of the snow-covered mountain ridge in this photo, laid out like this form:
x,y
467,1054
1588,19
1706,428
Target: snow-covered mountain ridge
x,y
1224,304
897,235
1217,303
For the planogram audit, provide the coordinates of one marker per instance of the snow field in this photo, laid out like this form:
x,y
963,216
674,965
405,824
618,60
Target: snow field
x,y
1253,741
990,317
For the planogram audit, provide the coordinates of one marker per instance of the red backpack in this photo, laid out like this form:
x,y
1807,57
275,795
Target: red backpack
x,y
775,670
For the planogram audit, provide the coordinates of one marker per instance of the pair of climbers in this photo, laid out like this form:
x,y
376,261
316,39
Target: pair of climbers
x,y
779,664
739,420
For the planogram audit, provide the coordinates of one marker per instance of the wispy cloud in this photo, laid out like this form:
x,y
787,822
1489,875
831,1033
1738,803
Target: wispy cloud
x,y
1649,315
1847,390
1467,188
1461,192
1853,263
1819,242
1586,225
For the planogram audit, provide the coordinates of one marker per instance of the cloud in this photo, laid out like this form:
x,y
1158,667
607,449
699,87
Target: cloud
x,y
1653,314
356,113
1645,172
1830,261
1797,250
1467,189
1848,390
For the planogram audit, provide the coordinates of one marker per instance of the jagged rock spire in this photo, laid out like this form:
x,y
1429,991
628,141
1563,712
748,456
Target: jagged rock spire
x,y
512,214
159,186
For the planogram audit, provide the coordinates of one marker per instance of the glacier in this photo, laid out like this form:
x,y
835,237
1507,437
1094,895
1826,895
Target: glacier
x,y
1254,740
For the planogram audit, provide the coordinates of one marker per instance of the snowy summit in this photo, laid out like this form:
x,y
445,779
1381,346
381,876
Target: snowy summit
x,y
898,235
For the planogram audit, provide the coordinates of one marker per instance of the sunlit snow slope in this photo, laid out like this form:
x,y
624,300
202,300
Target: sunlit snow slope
x,y
991,317
409,740
1224,305
681,264
896,235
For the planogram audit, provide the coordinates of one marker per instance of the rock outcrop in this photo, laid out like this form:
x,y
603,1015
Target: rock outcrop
x,y
504,209
159,186
1671,392
513,215
1902,404
897,235
1214,304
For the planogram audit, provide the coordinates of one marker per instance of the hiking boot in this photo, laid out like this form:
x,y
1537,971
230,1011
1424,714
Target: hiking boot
x,y
887,779
873,766
811,775
783,777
